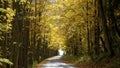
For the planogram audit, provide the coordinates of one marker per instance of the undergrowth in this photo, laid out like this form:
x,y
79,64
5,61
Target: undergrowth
x,y
85,61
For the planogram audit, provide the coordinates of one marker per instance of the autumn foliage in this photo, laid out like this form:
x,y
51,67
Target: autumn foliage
x,y
33,30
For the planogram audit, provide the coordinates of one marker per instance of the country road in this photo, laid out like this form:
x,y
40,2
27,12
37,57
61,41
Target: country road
x,y
55,62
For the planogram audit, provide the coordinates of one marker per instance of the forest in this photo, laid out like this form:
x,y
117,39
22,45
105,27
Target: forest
x,y
33,30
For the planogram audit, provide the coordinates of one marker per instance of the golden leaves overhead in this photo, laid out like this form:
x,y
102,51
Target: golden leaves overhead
x,y
65,18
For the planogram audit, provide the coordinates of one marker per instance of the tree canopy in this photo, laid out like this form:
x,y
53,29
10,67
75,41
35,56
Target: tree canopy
x,y
33,30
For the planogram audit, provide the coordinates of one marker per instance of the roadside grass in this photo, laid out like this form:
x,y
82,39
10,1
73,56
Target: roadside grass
x,y
78,61
34,64
86,62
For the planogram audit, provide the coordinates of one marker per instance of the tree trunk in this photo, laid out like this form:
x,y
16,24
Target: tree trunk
x,y
105,29
88,32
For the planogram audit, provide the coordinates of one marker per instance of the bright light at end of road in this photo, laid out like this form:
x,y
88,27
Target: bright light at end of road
x,y
52,1
61,52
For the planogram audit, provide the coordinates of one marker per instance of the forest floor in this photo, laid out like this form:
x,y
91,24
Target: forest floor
x,y
100,63
54,62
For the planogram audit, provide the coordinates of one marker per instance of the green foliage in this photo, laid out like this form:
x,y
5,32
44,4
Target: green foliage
x,y
2,10
10,13
84,58
4,60
77,59
115,64
2,38
34,63
5,22
70,58
6,17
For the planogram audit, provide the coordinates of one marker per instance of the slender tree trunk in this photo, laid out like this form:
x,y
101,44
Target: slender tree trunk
x,y
15,36
88,32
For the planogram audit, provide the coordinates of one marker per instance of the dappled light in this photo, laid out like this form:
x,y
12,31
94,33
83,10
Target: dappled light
x,y
55,62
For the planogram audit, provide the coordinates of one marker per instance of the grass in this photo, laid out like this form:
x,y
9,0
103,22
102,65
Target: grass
x,y
78,61
86,62
34,64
